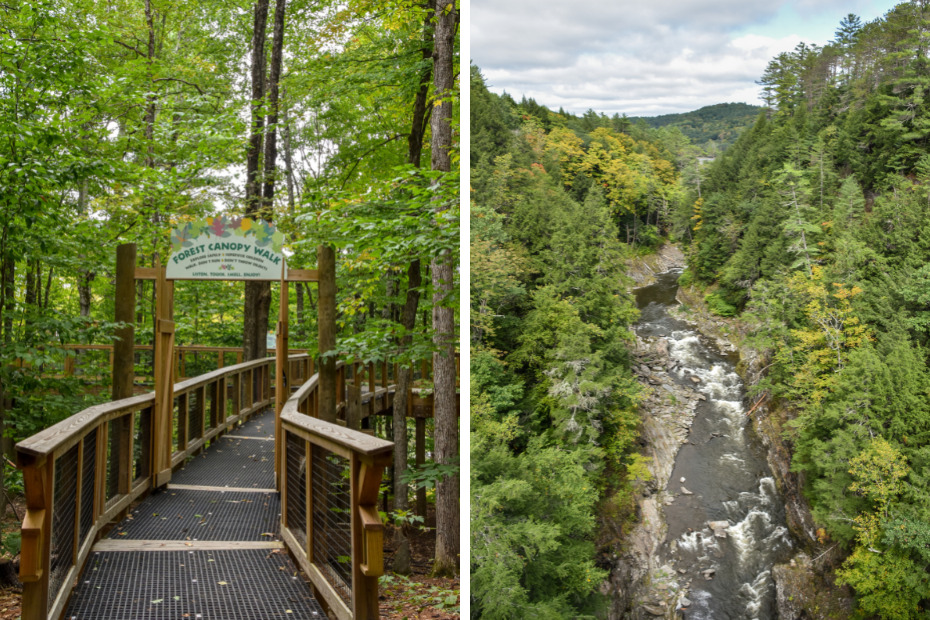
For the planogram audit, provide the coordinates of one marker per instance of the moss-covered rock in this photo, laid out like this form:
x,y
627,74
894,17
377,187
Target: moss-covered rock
x,y
803,592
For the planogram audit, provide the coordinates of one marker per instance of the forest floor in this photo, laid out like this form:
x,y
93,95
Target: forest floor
x,y
11,595
416,596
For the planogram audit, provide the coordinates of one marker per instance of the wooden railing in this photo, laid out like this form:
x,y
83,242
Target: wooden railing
x,y
83,472
329,516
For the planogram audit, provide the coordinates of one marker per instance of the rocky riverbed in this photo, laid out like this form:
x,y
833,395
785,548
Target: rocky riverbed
x,y
635,580
644,582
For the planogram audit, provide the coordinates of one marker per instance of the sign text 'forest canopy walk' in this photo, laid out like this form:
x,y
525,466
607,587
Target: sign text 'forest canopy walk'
x,y
226,248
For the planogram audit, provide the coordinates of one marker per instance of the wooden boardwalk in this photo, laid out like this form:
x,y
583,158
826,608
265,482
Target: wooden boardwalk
x,y
206,546
199,501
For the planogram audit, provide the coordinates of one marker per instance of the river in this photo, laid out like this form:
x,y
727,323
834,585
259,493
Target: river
x,y
720,475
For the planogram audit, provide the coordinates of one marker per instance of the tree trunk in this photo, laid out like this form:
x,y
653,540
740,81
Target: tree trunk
x,y
408,319
288,158
420,109
257,294
299,293
446,440
30,298
271,131
48,287
84,297
149,119
7,305
253,155
326,323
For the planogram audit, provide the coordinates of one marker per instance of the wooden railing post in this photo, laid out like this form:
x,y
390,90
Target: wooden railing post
x,y
281,390
372,389
367,537
122,358
35,546
164,385
354,406
123,355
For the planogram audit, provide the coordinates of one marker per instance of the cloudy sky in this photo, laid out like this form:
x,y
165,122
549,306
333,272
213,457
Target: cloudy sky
x,y
645,57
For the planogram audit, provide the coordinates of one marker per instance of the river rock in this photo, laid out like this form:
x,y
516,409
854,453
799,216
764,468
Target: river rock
x,y
719,528
682,479
685,491
655,610
801,592
709,573
684,601
695,379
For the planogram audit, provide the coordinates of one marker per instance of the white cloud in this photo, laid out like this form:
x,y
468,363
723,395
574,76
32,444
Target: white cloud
x,y
639,58
636,85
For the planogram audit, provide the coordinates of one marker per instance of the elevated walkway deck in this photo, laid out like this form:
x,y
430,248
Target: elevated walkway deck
x,y
206,546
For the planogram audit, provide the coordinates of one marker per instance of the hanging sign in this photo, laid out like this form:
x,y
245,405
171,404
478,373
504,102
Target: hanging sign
x,y
226,248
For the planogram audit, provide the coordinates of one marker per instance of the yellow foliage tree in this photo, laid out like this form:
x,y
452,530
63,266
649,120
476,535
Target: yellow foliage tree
x,y
833,330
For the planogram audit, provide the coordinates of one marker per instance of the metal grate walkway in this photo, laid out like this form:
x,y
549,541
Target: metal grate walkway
x,y
205,547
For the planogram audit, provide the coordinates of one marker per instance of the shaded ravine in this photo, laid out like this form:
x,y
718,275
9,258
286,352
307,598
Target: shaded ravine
x,y
726,523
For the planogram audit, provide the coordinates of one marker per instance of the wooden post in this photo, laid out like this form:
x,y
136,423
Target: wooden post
x,y
35,554
308,491
281,390
326,298
122,356
221,396
367,537
164,386
372,386
354,405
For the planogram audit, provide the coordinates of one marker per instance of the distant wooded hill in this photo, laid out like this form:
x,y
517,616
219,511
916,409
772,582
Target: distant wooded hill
x,y
721,123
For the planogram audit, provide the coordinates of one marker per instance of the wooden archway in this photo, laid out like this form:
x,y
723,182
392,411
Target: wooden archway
x,y
126,275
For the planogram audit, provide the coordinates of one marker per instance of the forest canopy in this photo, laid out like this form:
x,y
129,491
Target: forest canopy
x,y
559,202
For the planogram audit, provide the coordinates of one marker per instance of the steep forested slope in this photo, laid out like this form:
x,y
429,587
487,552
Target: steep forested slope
x,y
553,401
814,225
